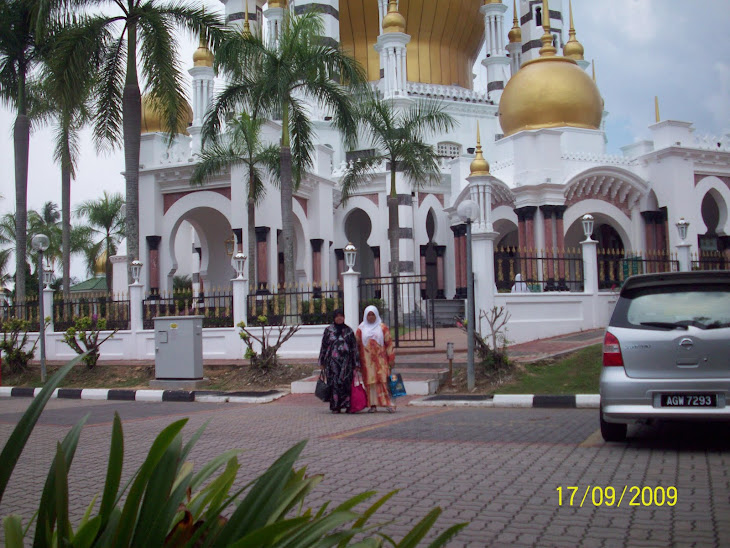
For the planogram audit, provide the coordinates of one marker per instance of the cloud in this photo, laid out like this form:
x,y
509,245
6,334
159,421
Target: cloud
x,y
718,101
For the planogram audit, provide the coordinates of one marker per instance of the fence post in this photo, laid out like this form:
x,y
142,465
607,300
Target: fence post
x,y
483,264
685,261
136,294
240,298
48,306
350,298
590,266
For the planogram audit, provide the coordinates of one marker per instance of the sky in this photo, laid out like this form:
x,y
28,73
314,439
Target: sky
x,y
674,49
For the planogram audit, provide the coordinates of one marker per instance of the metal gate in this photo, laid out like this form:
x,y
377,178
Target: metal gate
x,y
402,308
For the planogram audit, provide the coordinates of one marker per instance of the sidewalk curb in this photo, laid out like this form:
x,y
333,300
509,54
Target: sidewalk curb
x,y
146,395
577,401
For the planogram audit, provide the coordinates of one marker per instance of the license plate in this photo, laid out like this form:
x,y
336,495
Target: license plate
x,y
689,400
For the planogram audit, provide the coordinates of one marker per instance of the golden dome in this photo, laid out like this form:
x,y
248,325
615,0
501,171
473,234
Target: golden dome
x,y
573,49
479,166
152,121
203,57
394,21
445,38
550,92
100,265
515,33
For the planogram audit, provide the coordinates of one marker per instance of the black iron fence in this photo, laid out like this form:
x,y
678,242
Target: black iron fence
x,y
216,307
27,310
616,265
710,260
541,270
114,310
401,307
300,304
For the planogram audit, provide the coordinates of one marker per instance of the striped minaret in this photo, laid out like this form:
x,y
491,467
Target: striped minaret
x,y
330,12
236,13
531,21
496,61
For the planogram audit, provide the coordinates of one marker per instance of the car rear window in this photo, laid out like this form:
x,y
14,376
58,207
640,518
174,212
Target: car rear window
x,y
674,306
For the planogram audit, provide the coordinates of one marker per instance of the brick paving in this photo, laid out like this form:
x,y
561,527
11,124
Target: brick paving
x,y
498,469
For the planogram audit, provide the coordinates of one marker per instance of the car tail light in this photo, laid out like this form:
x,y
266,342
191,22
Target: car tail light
x,y
611,351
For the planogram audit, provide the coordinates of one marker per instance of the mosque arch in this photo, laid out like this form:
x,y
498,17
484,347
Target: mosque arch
x,y
603,213
371,209
613,185
720,193
358,227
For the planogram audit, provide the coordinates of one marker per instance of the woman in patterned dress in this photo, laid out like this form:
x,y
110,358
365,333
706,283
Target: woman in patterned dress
x,y
339,358
377,357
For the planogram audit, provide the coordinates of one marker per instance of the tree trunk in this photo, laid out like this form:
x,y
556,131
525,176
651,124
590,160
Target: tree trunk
x,y
252,251
287,216
21,143
108,272
131,125
66,228
393,227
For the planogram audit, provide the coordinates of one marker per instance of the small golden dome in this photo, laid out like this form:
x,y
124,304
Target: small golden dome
x,y
203,57
100,265
573,49
479,166
152,120
550,92
492,2
394,21
515,33
277,4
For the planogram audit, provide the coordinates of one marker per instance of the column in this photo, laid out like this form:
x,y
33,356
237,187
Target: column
x,y
340,256
376,255
560,244
48,306
440,253
350,298
153,245
547,221
458,261
527,241
423,271
238,233
317,266
483,264
262,253
136,294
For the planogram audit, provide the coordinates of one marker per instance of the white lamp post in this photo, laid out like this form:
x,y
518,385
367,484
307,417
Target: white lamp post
x,y
136,268
239,260
47,277
350,255
682,227
588,226
40,243
683,247
468,211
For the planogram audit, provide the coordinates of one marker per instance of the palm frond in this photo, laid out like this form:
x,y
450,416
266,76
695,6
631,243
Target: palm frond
x,y
357,174
108,116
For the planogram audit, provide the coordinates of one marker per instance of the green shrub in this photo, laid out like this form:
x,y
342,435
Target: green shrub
x,y
168,504
15,338
83,338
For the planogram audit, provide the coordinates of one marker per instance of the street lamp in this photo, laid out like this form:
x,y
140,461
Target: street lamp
x,y
136,268
588,226
350,254
40,243
682,227
47,277
239,260
468,211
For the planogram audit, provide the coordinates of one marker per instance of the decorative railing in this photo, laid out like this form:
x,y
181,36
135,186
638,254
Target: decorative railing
x,y
616,265
27,310
114,310
454,93
300,304
710,260
540,269
216,307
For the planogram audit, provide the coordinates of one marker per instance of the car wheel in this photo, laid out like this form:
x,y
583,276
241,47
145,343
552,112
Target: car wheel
x,y
612,431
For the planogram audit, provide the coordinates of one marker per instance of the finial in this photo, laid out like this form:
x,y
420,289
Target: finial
x,y
479,166
547,49
246,26
515,33
593,70
393,20
656,109
202,57
572,49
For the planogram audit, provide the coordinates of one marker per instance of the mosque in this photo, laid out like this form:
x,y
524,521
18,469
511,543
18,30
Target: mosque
x,y
539,123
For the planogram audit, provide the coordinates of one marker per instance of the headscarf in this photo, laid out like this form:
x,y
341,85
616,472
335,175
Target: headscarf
x,y
371,330
338,327
520,286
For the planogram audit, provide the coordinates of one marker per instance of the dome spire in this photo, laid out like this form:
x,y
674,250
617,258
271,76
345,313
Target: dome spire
x,y
479,166
593,70
656,109
202,57
246,26
573,49
515,33
394,21
547,49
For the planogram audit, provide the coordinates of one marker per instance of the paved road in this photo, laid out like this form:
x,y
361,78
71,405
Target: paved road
x,y
499,469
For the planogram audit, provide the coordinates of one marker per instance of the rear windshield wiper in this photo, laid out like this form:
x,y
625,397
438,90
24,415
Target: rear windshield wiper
x,y
666,325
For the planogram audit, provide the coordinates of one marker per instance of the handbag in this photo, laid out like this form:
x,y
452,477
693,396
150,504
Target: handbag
x,y
358,397
395,385
323,390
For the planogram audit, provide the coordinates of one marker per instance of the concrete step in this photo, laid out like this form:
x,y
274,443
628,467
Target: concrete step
x,y
418,382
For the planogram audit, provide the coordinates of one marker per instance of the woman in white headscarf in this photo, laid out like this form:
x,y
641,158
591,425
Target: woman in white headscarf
x,y
377,357
519,286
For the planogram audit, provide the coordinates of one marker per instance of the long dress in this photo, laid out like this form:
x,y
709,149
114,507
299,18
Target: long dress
x,y
339,357
376,362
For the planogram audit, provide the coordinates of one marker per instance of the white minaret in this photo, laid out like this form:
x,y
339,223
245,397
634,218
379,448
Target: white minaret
x,y
496,61
514,47
531,17
391,46
202,73
274,16
329,11
239,11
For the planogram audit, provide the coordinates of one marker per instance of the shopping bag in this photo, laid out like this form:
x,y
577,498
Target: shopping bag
x,y
358,397
323,390
396,386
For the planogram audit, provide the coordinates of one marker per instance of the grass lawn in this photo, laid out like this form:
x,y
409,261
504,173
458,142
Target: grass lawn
x,y
577,373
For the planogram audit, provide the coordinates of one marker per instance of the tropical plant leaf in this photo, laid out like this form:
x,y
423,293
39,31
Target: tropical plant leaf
x,y
447,535
63,527
268,535
13,527
420,530
113,471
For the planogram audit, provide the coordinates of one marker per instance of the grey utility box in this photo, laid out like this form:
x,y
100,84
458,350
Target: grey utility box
x,y
179,347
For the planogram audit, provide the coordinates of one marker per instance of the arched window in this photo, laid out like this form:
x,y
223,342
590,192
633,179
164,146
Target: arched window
x,y
538,16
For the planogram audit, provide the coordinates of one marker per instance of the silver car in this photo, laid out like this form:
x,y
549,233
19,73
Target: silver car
x,y
666,352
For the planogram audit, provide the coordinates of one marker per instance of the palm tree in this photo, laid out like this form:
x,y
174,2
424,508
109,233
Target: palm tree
x,y
277,77
106,223
20,51
241,145
398,135
47,221
146,39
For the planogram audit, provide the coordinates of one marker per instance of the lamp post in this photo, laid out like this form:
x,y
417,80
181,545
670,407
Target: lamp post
x,y
239,260
40,243
468,211
588,226
350,255
683,247
682,227
136,270
349,287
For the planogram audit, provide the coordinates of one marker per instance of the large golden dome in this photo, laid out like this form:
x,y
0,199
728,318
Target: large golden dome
x,y
550,92
152,122
445,38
